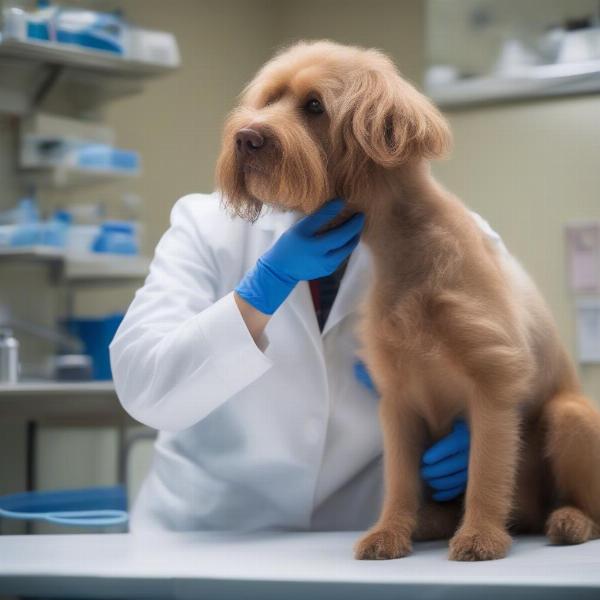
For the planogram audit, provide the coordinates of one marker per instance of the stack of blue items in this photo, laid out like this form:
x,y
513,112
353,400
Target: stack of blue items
x,y
75,27
23,227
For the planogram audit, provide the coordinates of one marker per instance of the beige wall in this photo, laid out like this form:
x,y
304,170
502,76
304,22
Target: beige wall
x,y
528,168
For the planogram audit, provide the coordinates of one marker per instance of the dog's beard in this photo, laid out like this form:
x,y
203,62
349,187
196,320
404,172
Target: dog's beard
x,y
289,173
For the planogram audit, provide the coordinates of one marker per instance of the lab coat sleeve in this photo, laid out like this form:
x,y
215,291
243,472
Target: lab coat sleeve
x,y
180,351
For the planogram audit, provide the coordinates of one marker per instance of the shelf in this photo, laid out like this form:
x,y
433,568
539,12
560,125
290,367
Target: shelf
x,y
529,83
106,266
94,268
71,56
73,176
56,388
31,72
39,253
62,402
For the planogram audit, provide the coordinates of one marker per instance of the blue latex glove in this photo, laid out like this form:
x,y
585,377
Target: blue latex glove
x,y
445,464
300,254
361,373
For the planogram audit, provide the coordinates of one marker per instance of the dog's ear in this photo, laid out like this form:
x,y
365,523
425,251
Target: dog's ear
x,y
390,120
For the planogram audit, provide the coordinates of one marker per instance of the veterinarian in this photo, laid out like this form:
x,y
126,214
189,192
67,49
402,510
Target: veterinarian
x,y
267,419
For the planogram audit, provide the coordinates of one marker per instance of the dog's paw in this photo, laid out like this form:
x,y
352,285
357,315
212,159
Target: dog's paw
x,y
383,543
469,544
568,525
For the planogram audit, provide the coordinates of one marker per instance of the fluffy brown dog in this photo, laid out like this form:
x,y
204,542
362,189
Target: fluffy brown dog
x,y
451,326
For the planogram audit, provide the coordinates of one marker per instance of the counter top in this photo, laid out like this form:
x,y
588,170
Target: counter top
x,y
282,565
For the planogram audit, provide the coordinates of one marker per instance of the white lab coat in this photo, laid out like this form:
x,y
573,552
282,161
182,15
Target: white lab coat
x,y
278,435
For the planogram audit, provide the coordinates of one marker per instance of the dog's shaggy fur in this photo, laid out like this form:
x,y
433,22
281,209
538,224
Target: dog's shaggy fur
x,y
451,326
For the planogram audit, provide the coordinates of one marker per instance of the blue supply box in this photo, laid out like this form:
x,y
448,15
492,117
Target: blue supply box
x,y
96,335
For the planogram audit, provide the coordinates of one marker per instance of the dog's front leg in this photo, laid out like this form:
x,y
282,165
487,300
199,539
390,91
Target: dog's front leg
x,y
492,473
403,436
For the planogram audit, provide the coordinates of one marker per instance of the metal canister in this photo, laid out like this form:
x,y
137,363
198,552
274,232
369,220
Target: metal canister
x,y
9,357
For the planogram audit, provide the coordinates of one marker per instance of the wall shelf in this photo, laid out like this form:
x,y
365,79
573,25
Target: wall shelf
x,y
43,389
528,83
29,71
93,268
71,56
61,177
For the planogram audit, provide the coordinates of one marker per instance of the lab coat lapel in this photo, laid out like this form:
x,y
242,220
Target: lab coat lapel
x,y
356,279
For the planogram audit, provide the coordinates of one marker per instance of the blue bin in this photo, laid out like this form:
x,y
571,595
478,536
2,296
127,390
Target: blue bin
x,y
87,507
96,335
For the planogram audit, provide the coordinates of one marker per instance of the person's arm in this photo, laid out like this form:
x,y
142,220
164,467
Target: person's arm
x,y
182,349
255,320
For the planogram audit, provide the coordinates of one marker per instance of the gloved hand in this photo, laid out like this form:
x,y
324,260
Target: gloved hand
x,y
445,464
300,254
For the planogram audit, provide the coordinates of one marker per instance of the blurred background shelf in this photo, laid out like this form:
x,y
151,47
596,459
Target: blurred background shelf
x,y
40,253
56,388
531,82
66,56
106,266
33,72
60,177
93,268
93,402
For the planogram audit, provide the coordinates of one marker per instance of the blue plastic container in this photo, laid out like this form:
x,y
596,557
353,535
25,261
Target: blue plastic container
x,y
96,335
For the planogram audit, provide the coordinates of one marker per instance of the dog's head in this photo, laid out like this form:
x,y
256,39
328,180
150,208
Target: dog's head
x,y
322,120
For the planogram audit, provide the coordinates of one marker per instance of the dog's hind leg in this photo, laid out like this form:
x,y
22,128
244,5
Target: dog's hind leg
x,y
573,448
437,520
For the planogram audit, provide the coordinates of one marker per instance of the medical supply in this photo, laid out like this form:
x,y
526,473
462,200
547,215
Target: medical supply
x,y
157,47
116,237
26,211
72,367
90,31
9,357
299,254
96,334
85,29
88,507
39,152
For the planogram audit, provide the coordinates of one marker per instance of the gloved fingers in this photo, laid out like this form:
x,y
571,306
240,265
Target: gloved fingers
x,y
339,254
447,466
342,233
311,224
362,375
447,483
450,494
457,441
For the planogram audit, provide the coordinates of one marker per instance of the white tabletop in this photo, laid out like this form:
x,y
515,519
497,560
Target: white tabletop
x,y
281,565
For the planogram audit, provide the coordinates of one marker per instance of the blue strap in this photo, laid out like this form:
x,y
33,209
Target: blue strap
x,y
74,518
87,507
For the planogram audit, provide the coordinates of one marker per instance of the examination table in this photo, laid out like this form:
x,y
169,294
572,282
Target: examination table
x,y
283,566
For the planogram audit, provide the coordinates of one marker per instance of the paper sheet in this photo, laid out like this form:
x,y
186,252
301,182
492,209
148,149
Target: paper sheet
x,y
588,330
583,256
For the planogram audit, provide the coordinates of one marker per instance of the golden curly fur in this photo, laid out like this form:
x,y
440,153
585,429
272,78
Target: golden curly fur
x,y
451,325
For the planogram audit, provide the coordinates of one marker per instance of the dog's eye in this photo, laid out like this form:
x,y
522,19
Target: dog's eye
x,y
314,107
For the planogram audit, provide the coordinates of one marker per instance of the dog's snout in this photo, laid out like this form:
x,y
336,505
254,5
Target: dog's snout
x,y
248,141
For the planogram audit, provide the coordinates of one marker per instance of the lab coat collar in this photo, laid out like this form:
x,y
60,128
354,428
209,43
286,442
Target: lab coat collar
x,y
354,282
276,221
352,286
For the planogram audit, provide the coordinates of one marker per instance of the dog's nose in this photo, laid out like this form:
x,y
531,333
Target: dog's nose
x,y
248,141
